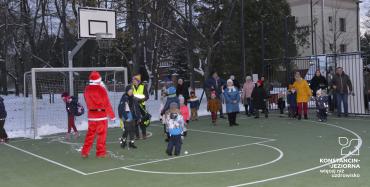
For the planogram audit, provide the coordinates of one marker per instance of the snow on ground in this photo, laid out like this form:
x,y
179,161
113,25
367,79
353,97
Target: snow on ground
x,y
51,118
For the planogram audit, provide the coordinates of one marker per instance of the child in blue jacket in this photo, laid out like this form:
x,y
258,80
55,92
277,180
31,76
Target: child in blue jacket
x,y
175,125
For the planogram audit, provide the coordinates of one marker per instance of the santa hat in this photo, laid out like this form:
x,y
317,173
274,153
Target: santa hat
x,y
95,77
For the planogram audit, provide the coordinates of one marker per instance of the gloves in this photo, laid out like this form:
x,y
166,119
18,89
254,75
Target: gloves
x,y
121,125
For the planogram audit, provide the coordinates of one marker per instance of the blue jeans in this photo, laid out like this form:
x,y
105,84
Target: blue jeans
x,y
341,97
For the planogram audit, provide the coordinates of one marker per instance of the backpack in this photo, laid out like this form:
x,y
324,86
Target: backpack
x,y
77,108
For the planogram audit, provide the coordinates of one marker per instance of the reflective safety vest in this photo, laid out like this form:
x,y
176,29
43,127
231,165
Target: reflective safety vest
x,y
139,92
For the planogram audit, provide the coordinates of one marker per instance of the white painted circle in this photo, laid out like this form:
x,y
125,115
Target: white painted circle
x,y
281,154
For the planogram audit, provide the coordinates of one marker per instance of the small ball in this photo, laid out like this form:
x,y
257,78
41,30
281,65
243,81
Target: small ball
x,y
186,152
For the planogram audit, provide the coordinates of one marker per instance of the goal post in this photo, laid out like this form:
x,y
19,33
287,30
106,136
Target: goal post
x,y
59,82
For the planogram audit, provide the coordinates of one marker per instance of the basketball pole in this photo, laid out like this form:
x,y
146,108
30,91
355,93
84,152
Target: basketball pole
x,y
71,54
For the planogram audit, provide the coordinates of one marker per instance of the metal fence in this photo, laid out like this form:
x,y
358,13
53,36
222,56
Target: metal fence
x,y
280,73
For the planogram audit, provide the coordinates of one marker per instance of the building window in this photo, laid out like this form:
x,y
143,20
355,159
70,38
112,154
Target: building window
x,y
343,48
342,24
330,23
331,47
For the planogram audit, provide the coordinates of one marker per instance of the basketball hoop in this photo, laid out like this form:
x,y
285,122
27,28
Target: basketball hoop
x,y
104,40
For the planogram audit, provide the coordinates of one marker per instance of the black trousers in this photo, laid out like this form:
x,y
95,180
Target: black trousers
x,y
175,141
257,112
143,129
232,118
321,114
129,130
141,125
3,134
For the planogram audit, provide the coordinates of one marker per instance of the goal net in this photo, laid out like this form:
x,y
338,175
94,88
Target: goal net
x,y
44,108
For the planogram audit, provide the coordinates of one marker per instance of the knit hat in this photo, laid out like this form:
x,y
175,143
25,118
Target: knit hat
x,y
171,90
95,77
174,105
290,87
65,94
137,77
260,82
230,81
128,88
318,92
248,78
181,98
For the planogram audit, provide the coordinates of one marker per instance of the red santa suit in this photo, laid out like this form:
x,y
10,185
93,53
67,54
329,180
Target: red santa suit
x,y
99,110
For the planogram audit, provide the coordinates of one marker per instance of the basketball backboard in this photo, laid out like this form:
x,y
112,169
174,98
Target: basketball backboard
x,y
94,20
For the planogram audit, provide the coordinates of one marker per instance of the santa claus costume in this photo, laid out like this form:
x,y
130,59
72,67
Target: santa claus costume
x,y
99,110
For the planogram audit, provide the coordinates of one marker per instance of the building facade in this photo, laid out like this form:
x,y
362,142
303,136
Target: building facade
x,y
333,25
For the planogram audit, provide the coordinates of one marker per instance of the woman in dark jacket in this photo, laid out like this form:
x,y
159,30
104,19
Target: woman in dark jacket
x,y
130,114
3,114
183,90
259,97
318,82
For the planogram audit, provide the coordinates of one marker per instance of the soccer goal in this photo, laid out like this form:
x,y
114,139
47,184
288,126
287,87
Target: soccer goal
x,y
47,109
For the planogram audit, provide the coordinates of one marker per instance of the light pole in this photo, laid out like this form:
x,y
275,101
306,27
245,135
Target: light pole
x,y
358,25
322,26
243,35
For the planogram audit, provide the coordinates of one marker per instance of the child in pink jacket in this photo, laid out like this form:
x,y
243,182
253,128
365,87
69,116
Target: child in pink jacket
x,y
246,95
184,111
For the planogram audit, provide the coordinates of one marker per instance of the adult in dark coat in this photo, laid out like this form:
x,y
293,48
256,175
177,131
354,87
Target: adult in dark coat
x,y
259,97
217,84
3,114
342,86
182,89
318,82
235,82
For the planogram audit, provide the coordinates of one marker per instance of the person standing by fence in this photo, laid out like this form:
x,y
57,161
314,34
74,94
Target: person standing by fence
x,y
232,99
247,94
304,94
318,82
342,86
3,114
367,88
217,84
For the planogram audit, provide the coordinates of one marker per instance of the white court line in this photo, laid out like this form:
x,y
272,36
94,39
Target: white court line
x,y
46,159
172,158
222,133
314,168
281,154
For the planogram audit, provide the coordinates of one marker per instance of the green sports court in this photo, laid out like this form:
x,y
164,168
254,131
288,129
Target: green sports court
x,y
277,151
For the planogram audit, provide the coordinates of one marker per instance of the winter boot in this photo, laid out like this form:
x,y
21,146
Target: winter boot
x,y
68,136
76,135
305,117
132,145
122,142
